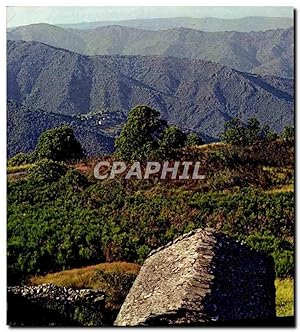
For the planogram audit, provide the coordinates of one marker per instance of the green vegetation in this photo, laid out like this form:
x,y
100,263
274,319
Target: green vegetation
x,y
57,144
284,297
237,133
145,136
64,220
171,139
139,138
20,168
288,134
193,139
60,218
21,159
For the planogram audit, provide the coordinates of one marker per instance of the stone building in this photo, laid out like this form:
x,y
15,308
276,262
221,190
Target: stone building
x,y
201,277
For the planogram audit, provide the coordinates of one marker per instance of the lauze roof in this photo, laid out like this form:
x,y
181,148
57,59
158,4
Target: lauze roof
x,y
202,276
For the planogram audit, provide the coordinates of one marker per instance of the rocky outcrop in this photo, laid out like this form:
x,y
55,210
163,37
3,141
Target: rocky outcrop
x,y
51,305
201,277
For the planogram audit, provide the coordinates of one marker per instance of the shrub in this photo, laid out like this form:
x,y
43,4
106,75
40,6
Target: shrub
x,y
193,139
116,282
58,144
46,171
21,159
282,251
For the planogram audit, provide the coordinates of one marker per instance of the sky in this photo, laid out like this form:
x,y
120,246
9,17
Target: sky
x,y
20,15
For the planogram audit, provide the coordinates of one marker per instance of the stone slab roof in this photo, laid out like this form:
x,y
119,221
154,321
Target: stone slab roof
x,y
202,276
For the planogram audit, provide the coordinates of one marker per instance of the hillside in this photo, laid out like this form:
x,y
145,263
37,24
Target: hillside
x,y
193,94
212,24
272,50
24,126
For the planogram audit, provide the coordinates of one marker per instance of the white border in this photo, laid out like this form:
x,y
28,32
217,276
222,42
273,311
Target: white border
x,y
3,101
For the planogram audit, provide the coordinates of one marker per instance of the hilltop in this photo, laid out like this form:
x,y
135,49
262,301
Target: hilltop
x,y
193,94
212,24
268,52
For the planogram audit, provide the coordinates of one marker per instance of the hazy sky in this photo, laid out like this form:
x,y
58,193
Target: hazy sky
x,y
17,16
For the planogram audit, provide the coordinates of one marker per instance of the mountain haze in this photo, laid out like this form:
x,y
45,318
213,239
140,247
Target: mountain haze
x,y
193,94
270,52
209,24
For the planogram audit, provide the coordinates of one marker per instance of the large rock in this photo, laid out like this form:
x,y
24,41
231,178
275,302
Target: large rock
x,y
201,277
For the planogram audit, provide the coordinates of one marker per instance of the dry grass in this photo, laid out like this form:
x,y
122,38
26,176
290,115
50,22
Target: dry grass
x,y
87,277
211,146
282,189
17,169
84,277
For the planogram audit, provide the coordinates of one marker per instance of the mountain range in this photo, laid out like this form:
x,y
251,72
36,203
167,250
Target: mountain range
x,y
193,94
210,24
269,52
25,125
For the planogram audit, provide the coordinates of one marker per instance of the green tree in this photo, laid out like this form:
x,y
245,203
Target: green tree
x,y
252,131
172,138
288,134
237,133
267,134
58,144
234,132
139,137
193,139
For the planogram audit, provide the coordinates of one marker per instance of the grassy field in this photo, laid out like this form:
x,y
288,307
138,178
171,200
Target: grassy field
x,y
87,277
284,297
115,279
17,169
84,277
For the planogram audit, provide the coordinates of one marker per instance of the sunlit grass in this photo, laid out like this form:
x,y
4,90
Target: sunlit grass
x,y
16,169
282,189
284,297
83,277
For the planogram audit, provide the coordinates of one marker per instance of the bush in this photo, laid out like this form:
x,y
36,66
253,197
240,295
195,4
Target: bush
x,y
46,171
193,139
171,139
21,159
58,144
116,282
282,251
